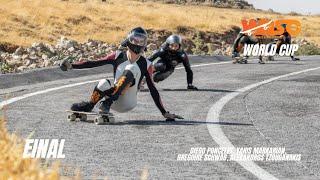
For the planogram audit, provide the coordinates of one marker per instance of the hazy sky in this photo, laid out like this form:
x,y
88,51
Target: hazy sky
x,y
285,6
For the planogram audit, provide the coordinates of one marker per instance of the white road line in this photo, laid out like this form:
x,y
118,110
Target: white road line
x,y
15,99
218,135
12,100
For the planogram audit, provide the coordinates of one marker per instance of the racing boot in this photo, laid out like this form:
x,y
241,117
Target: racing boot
x,y
105,106
261,61
236,57
84,106
87,106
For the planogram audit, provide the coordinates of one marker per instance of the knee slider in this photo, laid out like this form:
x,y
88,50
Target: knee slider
x,y
160,67
160,76
156,78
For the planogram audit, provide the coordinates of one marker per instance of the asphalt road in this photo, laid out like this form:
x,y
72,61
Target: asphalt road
x,y
282,113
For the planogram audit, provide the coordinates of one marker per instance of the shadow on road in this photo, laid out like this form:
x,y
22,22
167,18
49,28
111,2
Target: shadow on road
x,y
288,63
205,90
177,122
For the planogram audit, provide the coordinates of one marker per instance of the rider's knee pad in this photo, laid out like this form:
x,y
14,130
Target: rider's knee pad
x,y
157,78
133,69
100,90
160,66
104,85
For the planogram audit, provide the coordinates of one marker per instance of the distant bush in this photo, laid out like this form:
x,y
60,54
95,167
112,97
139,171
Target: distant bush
x,y
292,13
308,49
4,67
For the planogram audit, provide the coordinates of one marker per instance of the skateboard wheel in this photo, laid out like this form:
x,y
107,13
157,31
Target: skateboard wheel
x,y
99,120
111,119
83,117
72,117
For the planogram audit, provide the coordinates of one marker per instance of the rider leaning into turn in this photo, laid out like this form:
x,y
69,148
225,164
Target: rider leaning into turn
x,y
129,69
285,38
169,56
238,45
242,38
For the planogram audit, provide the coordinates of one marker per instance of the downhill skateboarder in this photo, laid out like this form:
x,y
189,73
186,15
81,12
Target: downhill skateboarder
x,y
129,69
170,55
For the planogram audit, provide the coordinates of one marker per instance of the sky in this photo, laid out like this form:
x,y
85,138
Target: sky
x,y
286,6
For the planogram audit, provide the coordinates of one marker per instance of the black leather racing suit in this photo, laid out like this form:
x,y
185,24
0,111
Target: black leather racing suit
x,y
167,62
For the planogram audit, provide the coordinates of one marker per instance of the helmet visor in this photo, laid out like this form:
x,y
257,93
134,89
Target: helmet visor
x,y
137,39
174,46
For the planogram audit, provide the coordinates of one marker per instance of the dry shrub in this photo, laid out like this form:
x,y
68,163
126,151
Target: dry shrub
x,y
13,166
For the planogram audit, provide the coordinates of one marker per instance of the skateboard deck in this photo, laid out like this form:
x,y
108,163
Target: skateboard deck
x,y
240,60
100,118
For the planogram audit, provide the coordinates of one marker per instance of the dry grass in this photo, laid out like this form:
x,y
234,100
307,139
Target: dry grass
x,y
13,166
23,22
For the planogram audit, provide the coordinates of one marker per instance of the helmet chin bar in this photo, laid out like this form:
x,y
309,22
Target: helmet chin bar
x,y
136,40
174,47
135,48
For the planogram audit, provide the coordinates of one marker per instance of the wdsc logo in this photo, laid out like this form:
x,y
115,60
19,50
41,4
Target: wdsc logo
x,y
281,31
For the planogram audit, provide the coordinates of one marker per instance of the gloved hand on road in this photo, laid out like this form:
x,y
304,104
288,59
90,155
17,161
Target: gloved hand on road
x,y
65,65
295,59
192,87
171,117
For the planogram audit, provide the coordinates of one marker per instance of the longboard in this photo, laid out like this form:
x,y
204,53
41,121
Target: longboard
x,y
100,118
239,60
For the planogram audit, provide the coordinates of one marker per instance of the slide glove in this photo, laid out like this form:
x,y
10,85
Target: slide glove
x,y
192,87
171,117
65,65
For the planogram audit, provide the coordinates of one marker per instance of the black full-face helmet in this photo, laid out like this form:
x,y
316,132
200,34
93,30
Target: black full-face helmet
x,y
173,43
137,40
174,39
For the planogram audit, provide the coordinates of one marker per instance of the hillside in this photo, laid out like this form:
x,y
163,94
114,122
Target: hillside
x,y
235,4
50,30
24,22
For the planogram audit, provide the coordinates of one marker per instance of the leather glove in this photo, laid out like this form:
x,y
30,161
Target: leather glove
x,y
171,117
65,65
192,87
